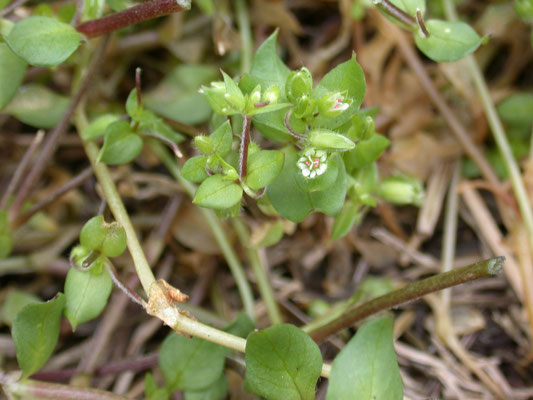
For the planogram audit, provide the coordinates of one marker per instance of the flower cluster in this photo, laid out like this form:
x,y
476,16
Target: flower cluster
x,y
313,163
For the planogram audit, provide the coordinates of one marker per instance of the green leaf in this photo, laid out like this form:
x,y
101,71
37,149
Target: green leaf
x,y
517,110
98,126
12,71
6,244
267,67
269,234
345,220
367,365
448,40
324,139
263,167
217,192
233,94
151,124
346,77
366,152
121,144
190,364
43,41
177,98
194,169
222,139
86,294
410,6
217,391
295,204
35,332
15,301
132,105
272,126
152,391
282,362
38,106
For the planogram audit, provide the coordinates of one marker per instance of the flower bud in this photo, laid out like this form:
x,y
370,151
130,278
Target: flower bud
x,y
115,240
79,254
333,104
304,107
299,83
93,233
363,128
401,190
272,95
204,144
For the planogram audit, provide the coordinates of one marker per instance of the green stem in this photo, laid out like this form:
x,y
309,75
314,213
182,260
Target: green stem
x,y
481,269
449,238
243,21
218,232
259,271
499,134
144,272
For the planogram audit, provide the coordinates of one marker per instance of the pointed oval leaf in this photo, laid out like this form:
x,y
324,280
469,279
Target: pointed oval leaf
x,y
367,365
217,391
267,67
35,332
12,71
190,364
217,192
15,301
98,126
43,41
38,106
366,152
345,220
222,138
86,294
282,363
194,169
448,40
121,145
263,167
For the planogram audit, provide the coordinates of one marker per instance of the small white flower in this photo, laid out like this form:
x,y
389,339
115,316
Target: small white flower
x,y
313,163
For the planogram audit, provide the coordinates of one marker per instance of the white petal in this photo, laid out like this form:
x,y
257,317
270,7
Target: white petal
x,y
306,172
313,174
321,169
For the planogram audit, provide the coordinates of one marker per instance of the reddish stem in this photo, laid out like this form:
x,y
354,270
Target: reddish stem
x,y
130,16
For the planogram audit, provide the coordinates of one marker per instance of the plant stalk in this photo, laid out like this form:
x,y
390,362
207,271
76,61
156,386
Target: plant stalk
x,y
243,22
218,232
481,269
144,272
133,15
263,283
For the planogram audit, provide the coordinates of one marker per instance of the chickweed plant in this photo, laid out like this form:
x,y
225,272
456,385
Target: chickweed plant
x,y
290,142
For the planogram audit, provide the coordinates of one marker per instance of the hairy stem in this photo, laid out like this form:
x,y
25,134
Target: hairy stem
x,y
131,16
218,232
245,142
481,269
259,271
